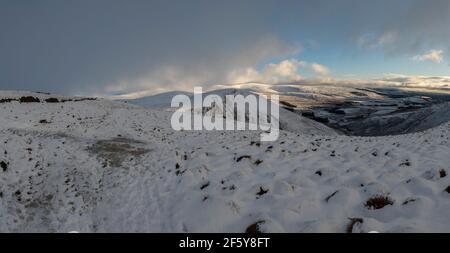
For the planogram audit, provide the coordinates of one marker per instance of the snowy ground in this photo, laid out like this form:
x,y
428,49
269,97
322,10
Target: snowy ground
x,y
102,166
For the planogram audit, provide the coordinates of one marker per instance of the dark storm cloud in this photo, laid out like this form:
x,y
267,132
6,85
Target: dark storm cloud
x,y
76,45
125,46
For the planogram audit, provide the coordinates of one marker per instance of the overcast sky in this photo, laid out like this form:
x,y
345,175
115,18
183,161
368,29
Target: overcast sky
x,y
118,47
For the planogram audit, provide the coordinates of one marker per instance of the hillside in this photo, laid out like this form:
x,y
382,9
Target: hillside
x,y
103,166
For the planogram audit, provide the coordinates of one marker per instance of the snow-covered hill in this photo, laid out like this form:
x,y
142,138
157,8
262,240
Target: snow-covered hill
x,y
288,120
327,109
102,166
161,100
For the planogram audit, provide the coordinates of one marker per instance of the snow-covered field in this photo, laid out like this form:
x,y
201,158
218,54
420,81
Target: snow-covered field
x,y
103,166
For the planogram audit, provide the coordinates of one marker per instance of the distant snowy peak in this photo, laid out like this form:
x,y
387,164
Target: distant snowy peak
x,y
161,100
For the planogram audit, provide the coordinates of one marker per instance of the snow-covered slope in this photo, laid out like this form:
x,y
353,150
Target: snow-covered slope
x,y
161,100
387,123
288,120
102,166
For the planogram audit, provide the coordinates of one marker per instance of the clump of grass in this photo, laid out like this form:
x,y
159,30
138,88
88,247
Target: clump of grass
x,y
243,157
447,189
204,186
4,165
378,202
7,100
255,227
115,151
262,192
406,163
258,162
52,100
352,223
29,99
